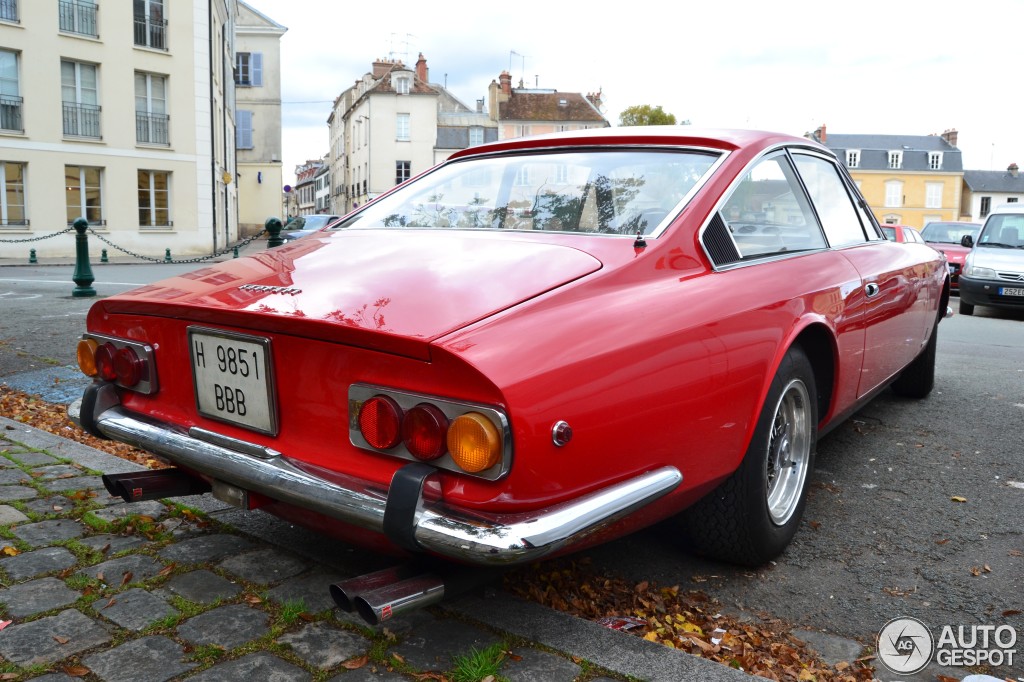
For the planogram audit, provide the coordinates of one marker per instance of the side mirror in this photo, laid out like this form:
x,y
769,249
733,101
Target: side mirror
x,y
968,241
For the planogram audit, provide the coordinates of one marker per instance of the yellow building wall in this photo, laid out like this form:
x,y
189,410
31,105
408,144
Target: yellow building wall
x,y
912,210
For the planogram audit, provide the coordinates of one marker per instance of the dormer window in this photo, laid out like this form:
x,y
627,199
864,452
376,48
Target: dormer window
x,y
402,84
935,160
852,158
896,159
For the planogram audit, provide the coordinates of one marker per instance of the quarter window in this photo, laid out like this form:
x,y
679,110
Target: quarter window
x,y
767,212
836,210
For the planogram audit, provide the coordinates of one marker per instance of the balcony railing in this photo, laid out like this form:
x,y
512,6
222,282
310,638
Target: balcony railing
x,y
82,120
151,32
9,10
152,128
78,16
10,113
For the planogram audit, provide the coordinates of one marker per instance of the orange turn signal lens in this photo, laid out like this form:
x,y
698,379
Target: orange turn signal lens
x,y
86,353
474,442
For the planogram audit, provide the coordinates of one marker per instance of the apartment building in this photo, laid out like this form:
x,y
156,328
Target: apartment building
x,y
985,190
258,118
906,179
123,114
392,124
519,112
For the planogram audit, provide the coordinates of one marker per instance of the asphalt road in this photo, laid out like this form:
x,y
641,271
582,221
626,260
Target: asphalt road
x,y
884,534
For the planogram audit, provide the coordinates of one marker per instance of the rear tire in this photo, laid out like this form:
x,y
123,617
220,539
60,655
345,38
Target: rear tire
x,y
752,516
918,378
966,308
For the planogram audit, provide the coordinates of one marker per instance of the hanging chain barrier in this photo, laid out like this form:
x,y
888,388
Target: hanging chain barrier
x,y
37,239
167,259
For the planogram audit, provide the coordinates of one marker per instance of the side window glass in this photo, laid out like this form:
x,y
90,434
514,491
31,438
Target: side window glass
x,y
767,212
835,207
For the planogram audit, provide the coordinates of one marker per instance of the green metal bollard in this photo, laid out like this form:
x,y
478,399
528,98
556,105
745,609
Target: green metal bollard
x,y
32,256
167,255
235,252
273,226
103,256
82,276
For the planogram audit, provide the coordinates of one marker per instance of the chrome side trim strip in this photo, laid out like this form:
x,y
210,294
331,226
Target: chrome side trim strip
x,y
502,539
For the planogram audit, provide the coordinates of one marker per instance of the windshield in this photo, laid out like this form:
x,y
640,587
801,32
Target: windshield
x,y
315,222
1003,231
598,191
948,233
889,232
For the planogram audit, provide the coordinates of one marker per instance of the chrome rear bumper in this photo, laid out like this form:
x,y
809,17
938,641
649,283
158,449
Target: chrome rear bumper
x,y
484,539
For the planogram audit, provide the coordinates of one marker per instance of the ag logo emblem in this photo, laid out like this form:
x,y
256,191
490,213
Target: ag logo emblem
x,y
905,645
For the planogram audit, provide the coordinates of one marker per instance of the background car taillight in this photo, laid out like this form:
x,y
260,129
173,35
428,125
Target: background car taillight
x,y
126,363
462,437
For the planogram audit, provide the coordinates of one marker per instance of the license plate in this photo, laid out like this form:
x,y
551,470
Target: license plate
x,y
233,379
1009,291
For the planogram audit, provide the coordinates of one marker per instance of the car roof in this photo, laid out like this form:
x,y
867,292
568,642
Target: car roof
x,y
726,139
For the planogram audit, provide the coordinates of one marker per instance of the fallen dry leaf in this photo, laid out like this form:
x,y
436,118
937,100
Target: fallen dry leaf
x,y
10,551
957,498
355,663
76,670
61,640
126,578
5,623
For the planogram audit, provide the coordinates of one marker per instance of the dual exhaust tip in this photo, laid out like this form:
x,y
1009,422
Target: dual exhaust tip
x,y
375,597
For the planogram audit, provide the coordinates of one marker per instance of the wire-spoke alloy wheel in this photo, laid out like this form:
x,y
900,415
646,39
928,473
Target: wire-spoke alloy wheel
x,y
789,452
753,514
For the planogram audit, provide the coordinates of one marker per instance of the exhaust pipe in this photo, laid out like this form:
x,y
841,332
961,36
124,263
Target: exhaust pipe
x,y
345,592
376,606
390,592
138,486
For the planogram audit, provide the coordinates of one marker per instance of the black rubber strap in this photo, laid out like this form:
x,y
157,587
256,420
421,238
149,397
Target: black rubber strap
x,y
404,497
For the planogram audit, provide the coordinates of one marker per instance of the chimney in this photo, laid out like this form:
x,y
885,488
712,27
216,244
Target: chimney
x,y
820,134
381,67
421,68
950,136
480,106
505,79
595,99
1012,169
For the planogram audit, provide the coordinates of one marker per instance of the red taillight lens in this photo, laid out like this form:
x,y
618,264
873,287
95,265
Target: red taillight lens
x,y
424,432
128,367
105,362
380,421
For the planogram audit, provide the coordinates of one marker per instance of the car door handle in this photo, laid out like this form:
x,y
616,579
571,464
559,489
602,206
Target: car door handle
x,y
872,289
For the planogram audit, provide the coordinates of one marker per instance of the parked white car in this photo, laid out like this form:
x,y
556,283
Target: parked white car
x,y
993,273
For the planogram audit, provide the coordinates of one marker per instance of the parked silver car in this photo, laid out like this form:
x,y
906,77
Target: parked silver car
x,y
993,273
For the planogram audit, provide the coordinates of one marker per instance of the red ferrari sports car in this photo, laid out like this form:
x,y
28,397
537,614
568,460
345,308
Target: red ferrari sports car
x,y
538,345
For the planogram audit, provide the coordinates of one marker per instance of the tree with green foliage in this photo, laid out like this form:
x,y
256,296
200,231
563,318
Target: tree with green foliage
x,y
646,115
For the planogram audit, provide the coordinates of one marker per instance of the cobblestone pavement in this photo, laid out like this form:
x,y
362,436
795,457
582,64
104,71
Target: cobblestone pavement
x,y
97,589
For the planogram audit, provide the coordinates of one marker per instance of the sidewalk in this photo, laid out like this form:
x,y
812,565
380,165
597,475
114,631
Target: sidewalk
x,y
147,592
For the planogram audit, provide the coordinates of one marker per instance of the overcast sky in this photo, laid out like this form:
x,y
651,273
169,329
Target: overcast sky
x,y
892,67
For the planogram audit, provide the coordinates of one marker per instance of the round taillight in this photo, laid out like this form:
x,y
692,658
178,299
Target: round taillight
x,y
128,367
474,442
424,431
105,362
86,354
380,421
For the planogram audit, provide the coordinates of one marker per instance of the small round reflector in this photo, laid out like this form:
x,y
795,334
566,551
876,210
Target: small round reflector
x,y
424,430
380,421
474,442
128,367
105,362
86,353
